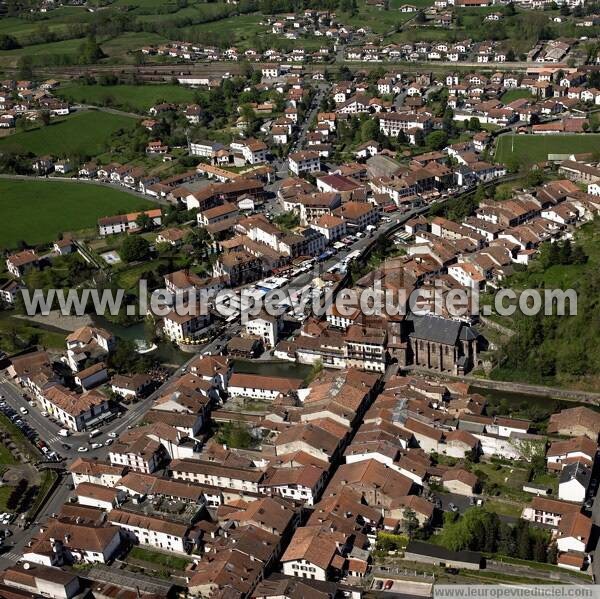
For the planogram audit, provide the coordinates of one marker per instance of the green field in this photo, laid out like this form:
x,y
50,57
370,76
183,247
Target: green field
x,y
87,133
535,148
132,97
36,211
516,94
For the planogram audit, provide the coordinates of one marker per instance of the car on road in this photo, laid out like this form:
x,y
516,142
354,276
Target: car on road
x,y
112,435
65,446
388,584
96,445
23,410
108,442
82,449
44,414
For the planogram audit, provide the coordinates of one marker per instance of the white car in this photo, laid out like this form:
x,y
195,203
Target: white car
x,y
44,414
108,442
82,449
96,445
112,435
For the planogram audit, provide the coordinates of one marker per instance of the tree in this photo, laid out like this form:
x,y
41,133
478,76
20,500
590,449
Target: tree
x,y
45,118
144,222
369,130
474,124
510,55
8,42
134,248
410,522
565,252
419,138
437,140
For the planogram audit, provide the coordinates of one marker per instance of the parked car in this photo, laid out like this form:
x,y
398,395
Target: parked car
x,y
82,449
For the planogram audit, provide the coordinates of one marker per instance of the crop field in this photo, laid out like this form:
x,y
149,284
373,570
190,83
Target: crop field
x,y
37,211
87,133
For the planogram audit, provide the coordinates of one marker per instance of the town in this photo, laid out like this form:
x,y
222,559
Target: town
x,y
284,158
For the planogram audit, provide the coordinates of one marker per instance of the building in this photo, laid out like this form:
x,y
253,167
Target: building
x,y
459,481
121,223
314,554
256,386
159,533
76,411
61,543
265,327
418,551
39,580
22,262
575,422
574,481
305,161
442,344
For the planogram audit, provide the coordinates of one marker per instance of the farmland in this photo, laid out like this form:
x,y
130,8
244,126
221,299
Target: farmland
x,y
138,98
87,134
535,148
36,211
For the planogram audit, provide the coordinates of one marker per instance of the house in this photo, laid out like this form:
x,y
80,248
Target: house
x,y
64,246
22,262
39,580
305,161
261,387
214,475
99,496
137,451
76,411
459,481
158,532
9,291
301,483
311,439
330,226
87,345
182,327
357,214
314,554
574,532
64,543
122,223
576,449
94,471
575,422
548,511
130,387
574,481
92,376
264,327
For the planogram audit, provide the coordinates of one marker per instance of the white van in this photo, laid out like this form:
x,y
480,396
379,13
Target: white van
x,y
64,432
94,433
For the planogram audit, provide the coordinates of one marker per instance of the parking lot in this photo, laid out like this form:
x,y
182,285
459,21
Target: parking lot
x,y
17,418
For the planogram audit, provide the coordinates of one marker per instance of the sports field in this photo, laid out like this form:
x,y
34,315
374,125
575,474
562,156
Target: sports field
x,y
36,211
137,98
85,133
535,148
